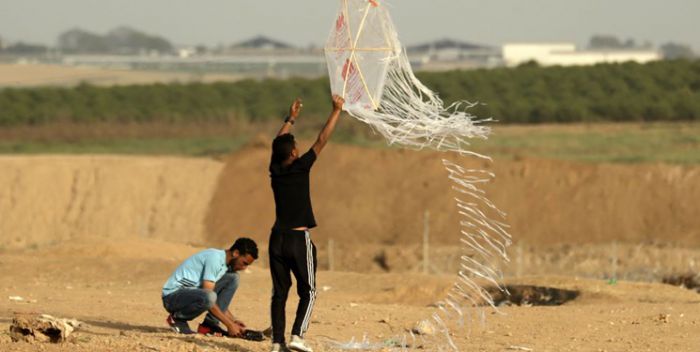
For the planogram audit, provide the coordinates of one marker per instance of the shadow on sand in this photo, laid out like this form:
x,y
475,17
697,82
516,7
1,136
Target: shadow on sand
x,y
165,333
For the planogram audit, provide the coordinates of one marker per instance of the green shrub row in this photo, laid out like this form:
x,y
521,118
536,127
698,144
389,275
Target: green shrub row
x,y
660,91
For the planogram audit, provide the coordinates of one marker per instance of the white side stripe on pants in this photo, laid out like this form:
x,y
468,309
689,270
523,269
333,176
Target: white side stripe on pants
x,y
312,282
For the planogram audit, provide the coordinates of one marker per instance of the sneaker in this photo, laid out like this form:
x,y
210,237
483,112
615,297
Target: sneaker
x,y
298,344
211,330
277,347
179,326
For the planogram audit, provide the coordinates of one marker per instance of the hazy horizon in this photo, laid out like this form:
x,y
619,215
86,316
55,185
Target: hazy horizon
x,y
303,23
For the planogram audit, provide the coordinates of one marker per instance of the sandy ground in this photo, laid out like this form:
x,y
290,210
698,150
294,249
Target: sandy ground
x,y
115,292
94,238
28,75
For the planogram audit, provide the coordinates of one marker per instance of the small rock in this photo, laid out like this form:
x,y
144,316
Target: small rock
x,y
424,327
148,347
41,328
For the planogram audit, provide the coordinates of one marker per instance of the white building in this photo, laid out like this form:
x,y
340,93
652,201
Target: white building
x,y
448,54
565,54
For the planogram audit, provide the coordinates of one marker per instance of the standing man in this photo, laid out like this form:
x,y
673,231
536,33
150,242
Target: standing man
x,y
291,248
204,282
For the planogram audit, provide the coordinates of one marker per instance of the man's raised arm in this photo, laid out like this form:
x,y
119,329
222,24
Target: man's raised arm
x,y
294,111
329,127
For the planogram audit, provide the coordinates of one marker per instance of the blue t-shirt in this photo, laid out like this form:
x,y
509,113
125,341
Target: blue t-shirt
x,y
207,265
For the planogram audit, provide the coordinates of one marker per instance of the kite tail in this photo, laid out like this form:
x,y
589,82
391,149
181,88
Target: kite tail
x,y
484,239
411,115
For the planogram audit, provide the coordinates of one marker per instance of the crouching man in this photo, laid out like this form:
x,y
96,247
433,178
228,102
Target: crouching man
x,y
205,282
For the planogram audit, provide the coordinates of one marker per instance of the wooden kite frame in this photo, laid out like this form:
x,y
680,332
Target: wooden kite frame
x,y
353,49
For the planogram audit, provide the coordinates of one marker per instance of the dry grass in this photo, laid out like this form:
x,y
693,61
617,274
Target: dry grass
x,y
677,143
31,75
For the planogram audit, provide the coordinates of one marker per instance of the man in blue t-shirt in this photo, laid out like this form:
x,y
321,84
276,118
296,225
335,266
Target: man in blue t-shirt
x,y
204,282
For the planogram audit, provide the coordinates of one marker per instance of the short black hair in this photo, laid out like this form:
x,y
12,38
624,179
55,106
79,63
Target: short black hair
x,y
282,147
245,246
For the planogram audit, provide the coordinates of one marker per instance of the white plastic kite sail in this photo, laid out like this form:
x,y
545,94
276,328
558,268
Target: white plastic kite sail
x,y
369,68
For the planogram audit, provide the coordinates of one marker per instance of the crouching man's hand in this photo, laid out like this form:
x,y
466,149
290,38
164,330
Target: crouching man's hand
x,y
235,330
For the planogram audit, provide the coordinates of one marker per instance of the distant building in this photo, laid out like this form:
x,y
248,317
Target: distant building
x,y
186,52
566,54
262,43
452,54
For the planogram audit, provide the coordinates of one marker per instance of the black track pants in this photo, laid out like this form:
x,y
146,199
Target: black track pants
x,y
292,251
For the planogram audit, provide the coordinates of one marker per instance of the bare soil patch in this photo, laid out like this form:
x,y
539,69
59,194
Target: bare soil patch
x,y
28,75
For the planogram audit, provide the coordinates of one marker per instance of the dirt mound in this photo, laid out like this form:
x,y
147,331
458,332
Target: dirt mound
x,y
370,197
50,199
380,196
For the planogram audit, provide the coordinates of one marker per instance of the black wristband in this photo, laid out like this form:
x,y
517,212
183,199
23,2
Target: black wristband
x,y
289,119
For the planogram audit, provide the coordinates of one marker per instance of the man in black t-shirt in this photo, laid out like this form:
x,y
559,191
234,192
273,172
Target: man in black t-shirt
x,y
290,246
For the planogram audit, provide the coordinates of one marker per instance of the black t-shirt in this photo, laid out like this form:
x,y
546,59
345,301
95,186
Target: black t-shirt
x,y
290,185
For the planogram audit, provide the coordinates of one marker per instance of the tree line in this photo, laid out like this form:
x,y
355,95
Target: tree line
x,y
659,91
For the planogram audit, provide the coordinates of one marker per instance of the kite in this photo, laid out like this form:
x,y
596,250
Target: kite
x,y
369,68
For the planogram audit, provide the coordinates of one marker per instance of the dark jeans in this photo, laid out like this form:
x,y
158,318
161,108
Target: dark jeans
x,y
189,303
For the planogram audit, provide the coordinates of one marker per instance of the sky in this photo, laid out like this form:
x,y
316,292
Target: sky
x,y
306,22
